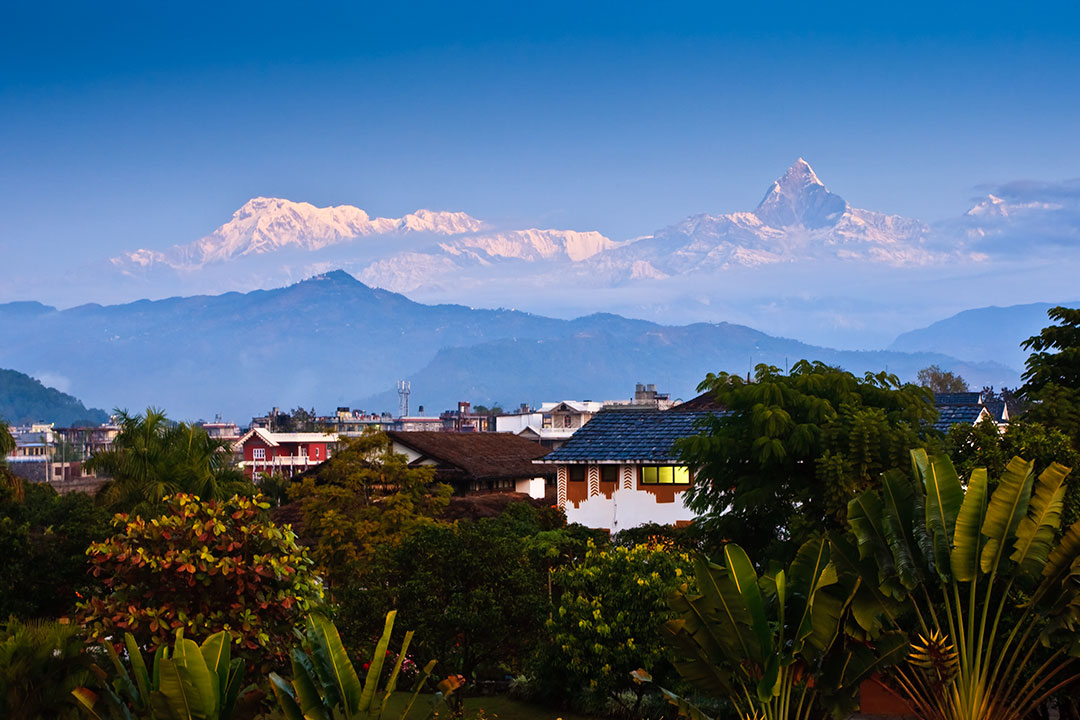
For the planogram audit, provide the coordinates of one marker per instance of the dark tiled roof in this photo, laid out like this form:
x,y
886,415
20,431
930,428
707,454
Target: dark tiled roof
x,y
950,415
963,398
478,455
704,401
627,435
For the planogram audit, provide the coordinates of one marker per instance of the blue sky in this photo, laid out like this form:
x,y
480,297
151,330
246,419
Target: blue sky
x,y
139,124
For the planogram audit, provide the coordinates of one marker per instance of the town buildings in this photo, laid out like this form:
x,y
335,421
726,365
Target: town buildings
x,y
479,463
285,454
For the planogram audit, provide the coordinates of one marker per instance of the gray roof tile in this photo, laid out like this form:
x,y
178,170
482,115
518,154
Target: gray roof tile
x,y
628,436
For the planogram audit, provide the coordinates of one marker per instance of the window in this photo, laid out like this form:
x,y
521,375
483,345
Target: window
x,y
665,475
258,454
317,449
609,473
576,473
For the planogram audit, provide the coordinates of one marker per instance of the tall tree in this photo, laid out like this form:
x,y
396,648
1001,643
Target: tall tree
x,y
7,446
153,457
1052,374
781,464
941,381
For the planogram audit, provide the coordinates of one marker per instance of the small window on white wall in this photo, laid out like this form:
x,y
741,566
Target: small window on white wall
x,y
317,452
258,454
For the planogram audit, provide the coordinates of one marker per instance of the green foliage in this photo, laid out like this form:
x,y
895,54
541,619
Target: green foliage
x,y
985,446
152,458
947,564
941,381
1052,374
325,684
43,539
773,645
475,591
40,664
24,399
608,620
365,500
190,683
793,449
202,567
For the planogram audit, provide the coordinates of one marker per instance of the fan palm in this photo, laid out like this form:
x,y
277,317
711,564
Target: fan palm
x,y
988,592
153,457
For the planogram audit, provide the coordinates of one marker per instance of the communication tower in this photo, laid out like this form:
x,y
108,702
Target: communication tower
x,y
404,387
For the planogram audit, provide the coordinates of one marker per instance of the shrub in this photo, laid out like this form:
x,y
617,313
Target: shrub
x,y
203,567
40,664
608,621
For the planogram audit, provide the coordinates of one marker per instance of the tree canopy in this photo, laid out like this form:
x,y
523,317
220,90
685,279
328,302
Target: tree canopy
x,y
941,381
153,457
1052,374
781,464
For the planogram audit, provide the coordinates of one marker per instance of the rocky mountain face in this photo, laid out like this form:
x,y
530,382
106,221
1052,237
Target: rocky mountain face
x,y
332,340
799,219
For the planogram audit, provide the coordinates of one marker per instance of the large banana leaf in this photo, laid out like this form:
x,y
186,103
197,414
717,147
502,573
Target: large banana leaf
x,y
810,571
746,580
217,652
307,694
1007,507
177,696
1061,558
1035,533
188,656
285,697
138,669
944,495
967,540
333,664
367,696
897,493
735,632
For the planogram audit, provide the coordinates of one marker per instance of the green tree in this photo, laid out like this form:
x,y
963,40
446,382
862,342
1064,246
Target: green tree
x,y
781,464
941,381
1052,374
472,592
202,566
607,622
363,501
152,457
43,538
981,581
7,446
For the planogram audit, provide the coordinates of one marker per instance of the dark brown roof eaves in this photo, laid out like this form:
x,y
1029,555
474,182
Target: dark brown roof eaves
x,y
703,402
480,455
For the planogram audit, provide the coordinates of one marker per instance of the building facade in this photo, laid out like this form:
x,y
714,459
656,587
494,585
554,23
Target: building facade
x,y
620,470
286,454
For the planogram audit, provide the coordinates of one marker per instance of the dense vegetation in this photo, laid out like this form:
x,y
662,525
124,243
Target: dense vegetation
x,y
24,399
842,538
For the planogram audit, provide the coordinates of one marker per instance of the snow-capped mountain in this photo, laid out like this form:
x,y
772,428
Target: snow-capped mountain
x,y
798,220
264,225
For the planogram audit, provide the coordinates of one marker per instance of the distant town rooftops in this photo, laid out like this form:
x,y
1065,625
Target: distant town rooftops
x,y
274,439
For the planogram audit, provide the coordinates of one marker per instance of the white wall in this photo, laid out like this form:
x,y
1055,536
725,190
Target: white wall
x,y
627,509
534,488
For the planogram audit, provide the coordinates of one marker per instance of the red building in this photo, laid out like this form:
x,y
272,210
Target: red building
x,y
285,454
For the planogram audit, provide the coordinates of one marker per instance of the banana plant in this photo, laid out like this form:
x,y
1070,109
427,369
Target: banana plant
x,y
325,685
772,645
191,683
990,592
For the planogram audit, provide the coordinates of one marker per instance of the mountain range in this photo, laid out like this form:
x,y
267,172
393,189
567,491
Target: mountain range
x,y
332,340
803,263
24,400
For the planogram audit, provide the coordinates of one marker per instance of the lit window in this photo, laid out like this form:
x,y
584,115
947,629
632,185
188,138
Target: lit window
x,y
665,475
258,454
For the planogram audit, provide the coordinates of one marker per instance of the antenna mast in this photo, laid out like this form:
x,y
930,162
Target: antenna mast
x,y
404,387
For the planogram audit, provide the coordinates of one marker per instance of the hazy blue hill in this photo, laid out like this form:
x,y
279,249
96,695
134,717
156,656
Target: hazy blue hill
x,y
605,366
330,340
989,333
25,400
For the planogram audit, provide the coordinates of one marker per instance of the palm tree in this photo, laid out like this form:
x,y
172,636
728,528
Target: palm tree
x,y
153,457
7,445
